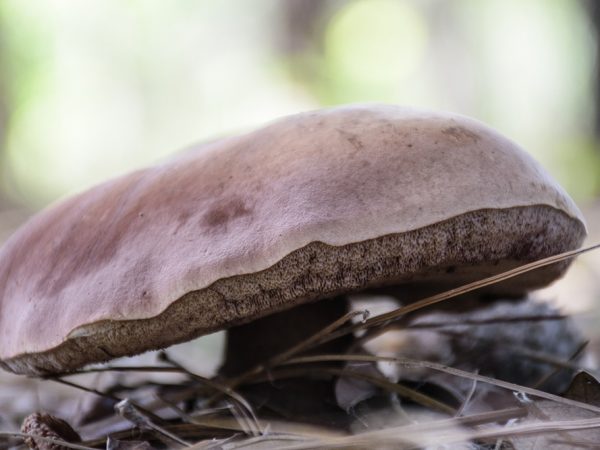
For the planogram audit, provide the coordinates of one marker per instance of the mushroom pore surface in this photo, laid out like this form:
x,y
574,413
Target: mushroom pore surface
x,y
309,207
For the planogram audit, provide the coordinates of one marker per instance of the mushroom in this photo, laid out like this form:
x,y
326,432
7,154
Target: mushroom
x,y
306,209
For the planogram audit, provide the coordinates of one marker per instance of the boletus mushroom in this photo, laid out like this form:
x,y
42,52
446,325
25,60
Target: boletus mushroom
x,y
299,212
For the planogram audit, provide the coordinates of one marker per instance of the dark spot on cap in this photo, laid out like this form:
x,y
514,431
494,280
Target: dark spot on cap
x,y
224,211
459,133
352,138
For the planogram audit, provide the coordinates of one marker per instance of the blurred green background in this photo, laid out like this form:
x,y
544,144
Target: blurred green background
x,y
93,88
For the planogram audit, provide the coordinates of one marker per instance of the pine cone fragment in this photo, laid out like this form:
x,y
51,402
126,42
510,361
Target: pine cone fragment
x,y
46,425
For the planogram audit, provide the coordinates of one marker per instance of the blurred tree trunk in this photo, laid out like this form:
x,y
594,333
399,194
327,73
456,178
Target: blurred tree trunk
x,y
301,23
3,110
594,12
12,214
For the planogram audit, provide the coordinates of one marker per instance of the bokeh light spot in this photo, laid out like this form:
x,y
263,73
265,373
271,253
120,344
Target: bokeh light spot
x,y
375,42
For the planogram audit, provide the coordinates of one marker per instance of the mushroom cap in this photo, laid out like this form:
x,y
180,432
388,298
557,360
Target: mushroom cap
x,y
310,206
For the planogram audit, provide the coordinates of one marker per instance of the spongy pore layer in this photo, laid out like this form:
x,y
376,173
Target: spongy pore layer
x,y
459,250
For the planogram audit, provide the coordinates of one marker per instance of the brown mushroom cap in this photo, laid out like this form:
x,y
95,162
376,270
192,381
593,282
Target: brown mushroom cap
x,y
310,206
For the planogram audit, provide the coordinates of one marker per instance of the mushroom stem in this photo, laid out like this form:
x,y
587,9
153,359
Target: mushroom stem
x,y
255,342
